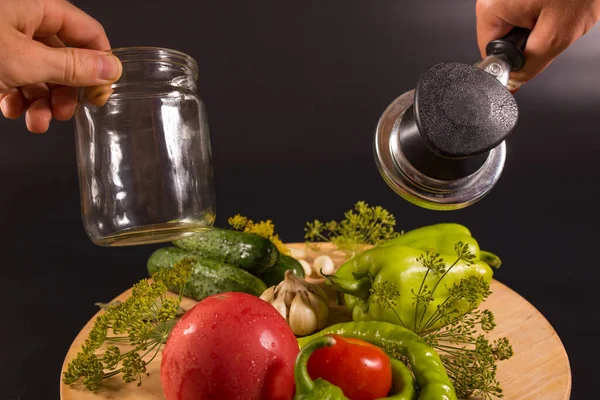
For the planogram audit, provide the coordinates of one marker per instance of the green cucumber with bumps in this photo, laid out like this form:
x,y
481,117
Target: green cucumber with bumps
x,y
209,277
244,250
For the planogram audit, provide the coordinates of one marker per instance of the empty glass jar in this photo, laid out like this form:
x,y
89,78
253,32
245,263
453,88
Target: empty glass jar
x,y
144,157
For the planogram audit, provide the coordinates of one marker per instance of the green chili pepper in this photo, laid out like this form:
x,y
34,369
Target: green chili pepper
x,y
319,389
425,363
406,279
403,384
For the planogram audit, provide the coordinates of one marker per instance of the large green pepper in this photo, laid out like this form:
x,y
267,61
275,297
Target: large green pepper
x,y
384,283
429,372
444,237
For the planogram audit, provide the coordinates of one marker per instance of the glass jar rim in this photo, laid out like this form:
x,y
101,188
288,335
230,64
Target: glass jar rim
x,y
154,54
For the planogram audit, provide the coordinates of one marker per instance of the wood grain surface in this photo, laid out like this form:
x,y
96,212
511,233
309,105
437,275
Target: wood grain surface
x,y
539,369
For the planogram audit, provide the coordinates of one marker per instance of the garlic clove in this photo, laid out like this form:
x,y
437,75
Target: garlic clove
x,y
298,254
268,295
307,267
286,295
324,265
285,292
321,309
318,291
303,318
280,306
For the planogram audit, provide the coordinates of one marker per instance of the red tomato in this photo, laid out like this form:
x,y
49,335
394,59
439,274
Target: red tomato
x,y
362,370
230,346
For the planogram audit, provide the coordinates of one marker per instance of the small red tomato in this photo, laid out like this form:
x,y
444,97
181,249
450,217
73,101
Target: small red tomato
x,y
362,370
230,346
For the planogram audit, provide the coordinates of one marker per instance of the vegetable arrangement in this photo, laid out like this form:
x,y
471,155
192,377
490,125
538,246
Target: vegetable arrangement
x,y
417,331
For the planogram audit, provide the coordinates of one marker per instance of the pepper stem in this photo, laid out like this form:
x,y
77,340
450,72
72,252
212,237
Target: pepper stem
x,y
490,258
360,287
304,383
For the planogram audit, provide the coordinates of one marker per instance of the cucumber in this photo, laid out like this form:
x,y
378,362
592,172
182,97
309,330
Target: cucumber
x,y
276,274
245,250
208,277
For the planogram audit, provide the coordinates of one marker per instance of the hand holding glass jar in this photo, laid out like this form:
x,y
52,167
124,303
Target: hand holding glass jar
x,y
47,50
143,150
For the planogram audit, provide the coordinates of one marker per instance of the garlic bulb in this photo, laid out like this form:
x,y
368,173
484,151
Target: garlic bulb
x,y
304,306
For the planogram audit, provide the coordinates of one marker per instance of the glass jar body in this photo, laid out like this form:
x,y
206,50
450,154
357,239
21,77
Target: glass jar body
x,y
144,157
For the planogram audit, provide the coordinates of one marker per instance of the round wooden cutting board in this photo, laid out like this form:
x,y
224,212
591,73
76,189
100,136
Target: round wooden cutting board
x,y
538,370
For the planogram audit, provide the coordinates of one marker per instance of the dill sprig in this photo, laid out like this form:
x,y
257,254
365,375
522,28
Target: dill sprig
x,y
363,225
468,356
262,228
142,322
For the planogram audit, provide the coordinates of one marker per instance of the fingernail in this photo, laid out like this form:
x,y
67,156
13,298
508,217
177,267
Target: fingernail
x,y
109,68
98,95
514,85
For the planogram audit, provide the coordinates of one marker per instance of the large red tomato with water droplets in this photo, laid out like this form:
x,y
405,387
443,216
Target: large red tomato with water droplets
x,y
230,346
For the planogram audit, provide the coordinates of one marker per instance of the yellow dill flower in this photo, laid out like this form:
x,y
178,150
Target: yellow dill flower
x,y
262,228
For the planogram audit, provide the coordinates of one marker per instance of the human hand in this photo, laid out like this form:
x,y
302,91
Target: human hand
x,y
38,72
555,25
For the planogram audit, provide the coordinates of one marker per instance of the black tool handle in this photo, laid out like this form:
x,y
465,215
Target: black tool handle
x,y
512,46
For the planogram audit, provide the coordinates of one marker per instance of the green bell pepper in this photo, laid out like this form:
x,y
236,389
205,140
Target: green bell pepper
x,y
444,236
406,279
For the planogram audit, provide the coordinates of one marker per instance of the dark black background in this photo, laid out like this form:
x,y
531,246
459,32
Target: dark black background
x,y
294,91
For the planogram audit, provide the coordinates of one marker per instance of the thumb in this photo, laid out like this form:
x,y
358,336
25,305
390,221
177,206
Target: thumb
x,y
67,66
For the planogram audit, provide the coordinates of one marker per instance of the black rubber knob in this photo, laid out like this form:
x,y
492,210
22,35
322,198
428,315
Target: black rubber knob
x,y
512,46
462,111
423,159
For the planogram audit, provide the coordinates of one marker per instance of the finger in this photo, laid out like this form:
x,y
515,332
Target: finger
x,y
72,26
53,41
490,24
63,102
552,34
35,91
38,116
64,99
62,66
12,104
